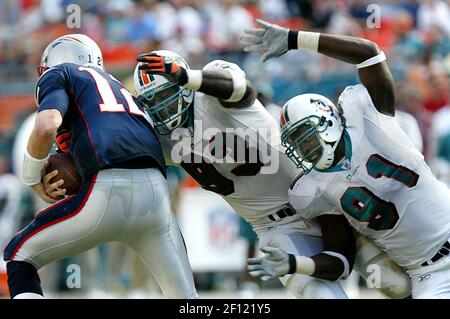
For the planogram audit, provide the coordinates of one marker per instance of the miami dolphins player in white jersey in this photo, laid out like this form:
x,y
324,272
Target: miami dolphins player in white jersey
x,y
185,104
360,164
210,123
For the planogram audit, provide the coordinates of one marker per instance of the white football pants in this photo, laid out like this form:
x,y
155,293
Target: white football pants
x,y
127,205
433,281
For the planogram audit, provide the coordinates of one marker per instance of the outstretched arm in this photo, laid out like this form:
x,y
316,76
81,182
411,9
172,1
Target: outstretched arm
x,y
335,262
373,71
232,90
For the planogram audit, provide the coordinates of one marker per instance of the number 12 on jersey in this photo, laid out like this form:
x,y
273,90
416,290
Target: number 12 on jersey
x,y
109,100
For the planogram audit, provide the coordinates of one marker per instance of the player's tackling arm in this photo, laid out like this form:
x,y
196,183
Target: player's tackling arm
x,y
338,257
232,89
333,263
372,68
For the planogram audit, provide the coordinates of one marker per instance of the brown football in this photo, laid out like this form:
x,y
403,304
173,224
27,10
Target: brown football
x,y
66,171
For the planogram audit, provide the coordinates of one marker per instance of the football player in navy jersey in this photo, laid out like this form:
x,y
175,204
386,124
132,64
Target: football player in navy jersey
x,y
123,196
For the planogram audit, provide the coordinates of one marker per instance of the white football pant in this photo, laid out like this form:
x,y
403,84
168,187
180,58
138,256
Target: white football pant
x,y
127,205
433,281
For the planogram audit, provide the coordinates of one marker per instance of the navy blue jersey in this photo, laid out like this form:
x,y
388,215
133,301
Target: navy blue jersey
x,y
108,125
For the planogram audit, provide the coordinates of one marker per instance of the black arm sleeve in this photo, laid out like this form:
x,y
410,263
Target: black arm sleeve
x,y
337,236
220,85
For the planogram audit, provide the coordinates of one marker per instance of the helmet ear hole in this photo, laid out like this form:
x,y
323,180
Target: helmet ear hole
x,y
322,120
330,123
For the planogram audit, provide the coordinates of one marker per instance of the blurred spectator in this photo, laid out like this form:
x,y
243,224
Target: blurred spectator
x,y
226,19
428,76
143,25
411,6
274,9
302,8
10,11
322,12
433,13
189,30
439,139
409,100
52,10
190,23
340,21
119,20
166,17
410,42
439,41
358,9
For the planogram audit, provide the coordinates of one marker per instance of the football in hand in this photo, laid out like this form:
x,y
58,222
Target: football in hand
x,y
66,171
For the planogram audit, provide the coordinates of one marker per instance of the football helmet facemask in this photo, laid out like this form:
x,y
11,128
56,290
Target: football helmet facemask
x,y
311,128
167,103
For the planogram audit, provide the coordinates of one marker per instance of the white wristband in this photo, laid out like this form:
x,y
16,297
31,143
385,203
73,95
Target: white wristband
x,y
308,40
346,272
305,265
372,61
31,173
195,79
239,86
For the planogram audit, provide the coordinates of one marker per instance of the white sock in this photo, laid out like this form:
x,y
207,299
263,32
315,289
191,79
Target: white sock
x,y
28,295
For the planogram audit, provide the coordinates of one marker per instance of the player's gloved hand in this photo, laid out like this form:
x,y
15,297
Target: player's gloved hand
x,y
274,264
155,64
63,139
271,39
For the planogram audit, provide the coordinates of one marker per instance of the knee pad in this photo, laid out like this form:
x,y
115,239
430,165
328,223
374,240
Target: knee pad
x,y
22,278
393,280
377,268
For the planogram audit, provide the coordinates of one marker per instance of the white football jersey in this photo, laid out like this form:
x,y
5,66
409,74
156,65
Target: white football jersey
x,y
383,187
237,155
409,125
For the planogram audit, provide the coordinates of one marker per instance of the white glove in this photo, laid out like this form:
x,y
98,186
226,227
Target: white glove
x,y
271,266
271,39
